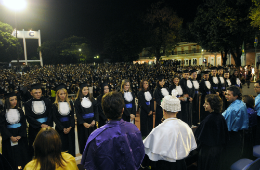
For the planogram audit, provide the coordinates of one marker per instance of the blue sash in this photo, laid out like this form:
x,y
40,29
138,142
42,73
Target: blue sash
x,y
64,119
14,125
88,115
178,96
237,85
129,105
208,92
215,88
147,103
196,91
42,120
223,88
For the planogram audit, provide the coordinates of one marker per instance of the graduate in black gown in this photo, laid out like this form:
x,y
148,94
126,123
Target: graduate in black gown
x,y
63,116
146,104
87,115
159,93
14,135
214,81
176,86
38,111
129,99
105,88
227,84
205,88
211,135
188,94
195,101
235,79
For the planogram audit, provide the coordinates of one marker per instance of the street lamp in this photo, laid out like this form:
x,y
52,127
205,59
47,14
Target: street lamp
x,y
16,6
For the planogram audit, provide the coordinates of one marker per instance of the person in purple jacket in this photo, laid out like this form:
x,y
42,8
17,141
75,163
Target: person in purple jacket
x,y
116,145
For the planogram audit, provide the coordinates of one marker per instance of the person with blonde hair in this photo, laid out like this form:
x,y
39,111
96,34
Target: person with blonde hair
x,y
129,99
47,153
63,116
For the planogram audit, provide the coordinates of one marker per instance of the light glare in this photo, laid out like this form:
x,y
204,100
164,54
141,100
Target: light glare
x,y
16,5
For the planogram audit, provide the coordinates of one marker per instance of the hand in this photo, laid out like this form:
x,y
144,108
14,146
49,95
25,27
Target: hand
x,y
18,137
132,116
150,113
217,93
186,95
86,125
14,139
93,123
44,126
182,98
190,99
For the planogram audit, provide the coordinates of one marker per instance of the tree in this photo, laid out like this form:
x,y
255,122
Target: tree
x,y
255,13
70,50
8,43
164,27
223,26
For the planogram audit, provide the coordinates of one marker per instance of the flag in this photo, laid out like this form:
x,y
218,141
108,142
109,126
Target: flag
x,y
256,41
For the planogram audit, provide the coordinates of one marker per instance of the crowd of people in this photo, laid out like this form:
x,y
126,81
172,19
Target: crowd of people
x,y
105,97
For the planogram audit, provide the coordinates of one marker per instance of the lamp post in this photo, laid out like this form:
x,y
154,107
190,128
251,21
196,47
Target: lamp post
x,y
16,6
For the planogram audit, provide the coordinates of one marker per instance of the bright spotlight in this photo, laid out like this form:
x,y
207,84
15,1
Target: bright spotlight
x,y
16,5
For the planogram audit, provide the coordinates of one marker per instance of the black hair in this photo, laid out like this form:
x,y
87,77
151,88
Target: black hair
x,y
215,102
113,104
249,101
236,91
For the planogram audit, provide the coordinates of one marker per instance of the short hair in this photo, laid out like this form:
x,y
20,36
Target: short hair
x,y
112,105
215,102
236,91
249,101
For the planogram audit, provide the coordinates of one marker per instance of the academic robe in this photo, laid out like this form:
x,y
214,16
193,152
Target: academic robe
x,y
36,117
158,96
236,81
116,145
212,136
237,120
195,103
205,90
85,115
169,144
65,120
214,81
102,116
17,155
146,105
129,107
186,106
180,94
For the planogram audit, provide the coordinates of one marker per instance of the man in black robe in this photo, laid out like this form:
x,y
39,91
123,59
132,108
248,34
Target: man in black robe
x,y
188,94
195,102
38,114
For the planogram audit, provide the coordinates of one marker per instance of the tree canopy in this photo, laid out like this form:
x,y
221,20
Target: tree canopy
x,y
223,26
8,43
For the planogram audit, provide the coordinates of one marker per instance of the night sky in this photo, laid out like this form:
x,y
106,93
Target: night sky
x,y
59,19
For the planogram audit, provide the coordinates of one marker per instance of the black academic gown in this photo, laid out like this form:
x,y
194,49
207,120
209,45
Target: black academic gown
x,y
186,106
195,103
101,114
65,121
212,136
34,124
83,133
204,91
233,80
179,115
158,96
129,108
215,85
17,155
146,122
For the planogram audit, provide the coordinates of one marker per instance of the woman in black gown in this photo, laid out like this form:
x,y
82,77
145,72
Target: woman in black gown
x,y
159,93
211,135
14,134
105,88
87,115
129,99
63,116
146,104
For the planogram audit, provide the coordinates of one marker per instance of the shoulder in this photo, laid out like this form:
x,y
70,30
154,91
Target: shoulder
x,y
31,165
67,156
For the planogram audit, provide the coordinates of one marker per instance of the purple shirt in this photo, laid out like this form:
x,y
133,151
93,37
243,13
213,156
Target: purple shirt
x,y
116,145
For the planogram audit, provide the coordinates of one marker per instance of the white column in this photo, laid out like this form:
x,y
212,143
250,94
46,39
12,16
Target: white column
x,y
39,42
24,47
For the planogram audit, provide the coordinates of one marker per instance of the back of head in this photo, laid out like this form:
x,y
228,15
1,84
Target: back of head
x,y
112,105
249,101
47,149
